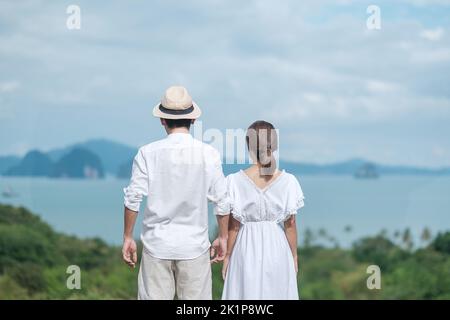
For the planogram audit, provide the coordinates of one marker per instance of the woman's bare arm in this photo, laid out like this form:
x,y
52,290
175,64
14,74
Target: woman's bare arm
x,y
290,229
233,229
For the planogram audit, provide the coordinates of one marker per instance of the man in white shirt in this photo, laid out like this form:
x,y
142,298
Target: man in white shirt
x,y
178,174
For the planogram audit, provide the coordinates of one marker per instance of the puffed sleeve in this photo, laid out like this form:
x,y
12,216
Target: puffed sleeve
x,y
294,199
217,192
138,187
235,199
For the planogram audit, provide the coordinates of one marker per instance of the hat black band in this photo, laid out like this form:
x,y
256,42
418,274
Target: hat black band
x,y
170,111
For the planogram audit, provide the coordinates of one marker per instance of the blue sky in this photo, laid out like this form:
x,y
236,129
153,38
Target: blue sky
x,y
335,89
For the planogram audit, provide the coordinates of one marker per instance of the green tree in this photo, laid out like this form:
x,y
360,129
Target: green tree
x,y
442,243
322,233
308,238
426,235
377,250
407,239
29,276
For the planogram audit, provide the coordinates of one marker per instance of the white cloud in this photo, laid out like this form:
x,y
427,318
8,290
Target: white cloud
x,y
438,151
9,86
313,97
377,86
100,81
422,3
440,55
432,34
294,63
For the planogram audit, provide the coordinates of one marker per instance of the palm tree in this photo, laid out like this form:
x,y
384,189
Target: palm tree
x,y
396,235
426,235
308,238
407,239
333,241
323,233
348,229
383,233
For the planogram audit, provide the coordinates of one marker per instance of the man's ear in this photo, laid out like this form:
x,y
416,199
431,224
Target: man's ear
x,y
192,121
163,121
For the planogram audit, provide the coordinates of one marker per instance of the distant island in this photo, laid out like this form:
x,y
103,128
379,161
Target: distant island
x,y
100,157
367,171
77,163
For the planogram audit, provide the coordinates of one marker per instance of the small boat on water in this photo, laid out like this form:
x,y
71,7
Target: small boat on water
x,y
366,171
9,193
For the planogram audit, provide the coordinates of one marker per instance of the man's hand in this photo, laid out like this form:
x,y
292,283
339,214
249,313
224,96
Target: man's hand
x,y
218,249
129,252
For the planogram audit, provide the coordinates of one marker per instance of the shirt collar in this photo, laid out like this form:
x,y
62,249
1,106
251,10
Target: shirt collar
x,y
179,136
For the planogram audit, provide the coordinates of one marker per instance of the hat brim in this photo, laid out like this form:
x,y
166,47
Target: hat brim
x,y
194,114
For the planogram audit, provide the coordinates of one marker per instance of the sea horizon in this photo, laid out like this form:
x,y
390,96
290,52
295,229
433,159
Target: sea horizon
x,y
338,209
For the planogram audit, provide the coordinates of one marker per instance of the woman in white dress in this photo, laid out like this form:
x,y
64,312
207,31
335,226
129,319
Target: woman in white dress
x,y
261,262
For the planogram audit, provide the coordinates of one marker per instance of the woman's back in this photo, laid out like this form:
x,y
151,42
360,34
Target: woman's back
x,y
274,202
261,264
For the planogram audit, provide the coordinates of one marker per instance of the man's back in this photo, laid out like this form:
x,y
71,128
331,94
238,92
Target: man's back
x,y
178,174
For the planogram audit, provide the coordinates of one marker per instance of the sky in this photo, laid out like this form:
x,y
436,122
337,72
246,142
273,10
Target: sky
x,y
334,88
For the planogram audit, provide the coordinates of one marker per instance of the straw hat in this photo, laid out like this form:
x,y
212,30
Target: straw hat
x,y
177,104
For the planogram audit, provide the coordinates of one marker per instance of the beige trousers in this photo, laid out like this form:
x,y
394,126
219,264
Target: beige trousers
x,y
161,279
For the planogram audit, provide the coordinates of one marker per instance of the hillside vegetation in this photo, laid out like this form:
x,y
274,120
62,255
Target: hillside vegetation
x,y
34,259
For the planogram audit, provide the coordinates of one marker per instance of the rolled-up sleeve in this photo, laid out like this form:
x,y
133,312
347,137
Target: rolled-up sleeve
x,y
138,187
217,192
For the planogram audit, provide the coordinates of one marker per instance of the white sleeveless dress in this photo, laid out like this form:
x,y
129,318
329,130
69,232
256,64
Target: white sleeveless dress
x,y
261,265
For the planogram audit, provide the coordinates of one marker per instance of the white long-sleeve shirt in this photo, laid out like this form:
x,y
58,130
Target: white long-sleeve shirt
x,y
178,174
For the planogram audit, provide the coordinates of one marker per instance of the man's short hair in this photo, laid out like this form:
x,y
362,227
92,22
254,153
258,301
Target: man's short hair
x,y
178,123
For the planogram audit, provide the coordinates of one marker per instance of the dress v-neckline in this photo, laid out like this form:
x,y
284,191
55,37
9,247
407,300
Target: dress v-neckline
x,y
267,187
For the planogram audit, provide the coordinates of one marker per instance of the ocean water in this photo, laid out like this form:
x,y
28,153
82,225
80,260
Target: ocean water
x,y
88,208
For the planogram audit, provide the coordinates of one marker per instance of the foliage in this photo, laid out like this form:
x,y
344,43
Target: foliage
x,y
442,243
34,259
379,251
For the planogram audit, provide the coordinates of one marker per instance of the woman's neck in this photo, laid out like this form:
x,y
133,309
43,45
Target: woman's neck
x,y
257,170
